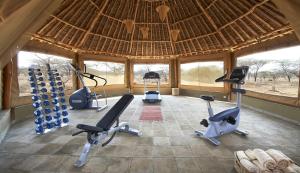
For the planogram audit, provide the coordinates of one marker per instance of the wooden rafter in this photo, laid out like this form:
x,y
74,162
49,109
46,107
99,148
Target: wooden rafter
x,y
132,34
212,23
92,24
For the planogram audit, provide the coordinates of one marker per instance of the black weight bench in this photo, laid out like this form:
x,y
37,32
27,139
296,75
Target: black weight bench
x,y
103,129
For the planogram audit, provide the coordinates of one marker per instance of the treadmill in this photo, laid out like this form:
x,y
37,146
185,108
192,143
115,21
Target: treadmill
x,y
151,96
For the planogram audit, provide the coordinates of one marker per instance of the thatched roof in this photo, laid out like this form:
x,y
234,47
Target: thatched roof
x,y
205,26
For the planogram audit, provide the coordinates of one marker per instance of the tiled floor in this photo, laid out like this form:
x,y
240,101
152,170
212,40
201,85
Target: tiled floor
x,y
166,146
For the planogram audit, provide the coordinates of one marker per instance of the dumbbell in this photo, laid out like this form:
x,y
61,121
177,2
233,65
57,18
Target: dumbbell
x,y
33,84
36,104
64,107
35,91
58,123
47,110
62,100
65,120
39,129
65,113
56,108
57,115
46,103
37,113
38,120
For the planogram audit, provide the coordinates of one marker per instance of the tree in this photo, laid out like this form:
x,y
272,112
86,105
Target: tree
x,y
256,65
286,69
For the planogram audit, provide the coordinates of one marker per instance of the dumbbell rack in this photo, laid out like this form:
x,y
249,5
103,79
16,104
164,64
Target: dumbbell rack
x,y
44,121
43,118
58,97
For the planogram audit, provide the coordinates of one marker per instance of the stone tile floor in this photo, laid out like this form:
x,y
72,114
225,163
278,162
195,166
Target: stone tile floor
x,y
165,146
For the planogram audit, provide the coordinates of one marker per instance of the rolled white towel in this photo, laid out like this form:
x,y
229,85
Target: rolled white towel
x,y
262,169
289,170
241,155
277,170
250,154
295,167
264,159
249,166
282,160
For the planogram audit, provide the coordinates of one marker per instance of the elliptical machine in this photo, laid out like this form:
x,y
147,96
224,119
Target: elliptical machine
x,y
84,97
228,120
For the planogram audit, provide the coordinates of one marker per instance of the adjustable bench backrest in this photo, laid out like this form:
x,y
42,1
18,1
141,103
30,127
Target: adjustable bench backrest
x,y
114,113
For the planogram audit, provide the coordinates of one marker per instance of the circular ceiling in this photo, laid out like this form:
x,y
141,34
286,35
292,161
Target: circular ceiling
x,y
201,26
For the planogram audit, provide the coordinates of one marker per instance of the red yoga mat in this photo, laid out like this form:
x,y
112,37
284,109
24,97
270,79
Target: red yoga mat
x,y
151,113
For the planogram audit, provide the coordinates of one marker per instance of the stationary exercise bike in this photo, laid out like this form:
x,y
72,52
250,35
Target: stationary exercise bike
x,y
84,97
226,121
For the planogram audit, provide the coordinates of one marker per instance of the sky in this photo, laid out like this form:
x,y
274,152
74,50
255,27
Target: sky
x,y
291,54
26,59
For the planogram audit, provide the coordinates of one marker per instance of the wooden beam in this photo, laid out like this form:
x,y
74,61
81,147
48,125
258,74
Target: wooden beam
x,y
212,23
27,19
132,34
7,85
169,31
93,23
291,10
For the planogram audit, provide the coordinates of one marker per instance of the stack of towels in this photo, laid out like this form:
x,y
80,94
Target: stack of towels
x,y
260,161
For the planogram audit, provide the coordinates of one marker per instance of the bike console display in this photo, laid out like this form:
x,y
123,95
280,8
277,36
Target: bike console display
x,y
237,75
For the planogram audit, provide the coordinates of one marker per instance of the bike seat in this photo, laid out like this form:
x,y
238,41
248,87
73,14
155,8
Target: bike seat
x,y
221,116
208,98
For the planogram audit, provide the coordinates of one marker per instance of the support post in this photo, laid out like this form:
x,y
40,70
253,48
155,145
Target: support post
x,y
127,74
174,73
230,62
76,82
7,85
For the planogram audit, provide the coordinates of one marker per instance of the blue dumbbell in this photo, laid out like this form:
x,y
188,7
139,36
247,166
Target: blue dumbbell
x,y
39,129
44,90
65,120
46,103
58,123
35,98
55,101
36,105
56,109
59,83
61,88
58,78
57,115
64,107
52,83
44,96
48,117
43,84
65,113
61,94
49,125
31,79
47,111
33,84
37,113
53,95
53,89
30,73
38,121
62,100
30,69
